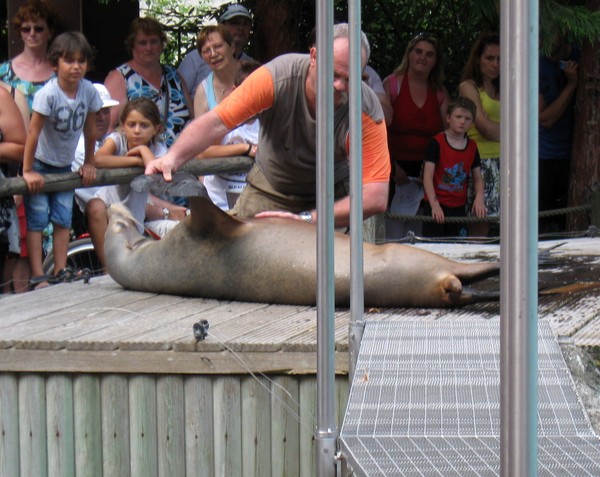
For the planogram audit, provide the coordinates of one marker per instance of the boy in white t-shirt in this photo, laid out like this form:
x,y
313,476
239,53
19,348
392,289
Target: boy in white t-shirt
x,y
62,109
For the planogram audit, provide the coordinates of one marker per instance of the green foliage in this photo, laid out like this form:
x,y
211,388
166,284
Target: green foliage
x,y
389,24
569,18
181,22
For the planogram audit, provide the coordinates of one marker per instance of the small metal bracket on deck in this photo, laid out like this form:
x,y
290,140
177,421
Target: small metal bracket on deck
x,y
200,330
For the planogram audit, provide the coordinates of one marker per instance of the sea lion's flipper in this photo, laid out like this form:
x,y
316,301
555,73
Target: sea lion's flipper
x,y
471,295
206,218
475,272
182,185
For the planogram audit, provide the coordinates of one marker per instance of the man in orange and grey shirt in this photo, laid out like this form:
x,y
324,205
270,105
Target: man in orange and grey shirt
x,y
282,94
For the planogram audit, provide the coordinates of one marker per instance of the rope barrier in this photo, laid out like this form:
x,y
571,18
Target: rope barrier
x,y
492,219
411,238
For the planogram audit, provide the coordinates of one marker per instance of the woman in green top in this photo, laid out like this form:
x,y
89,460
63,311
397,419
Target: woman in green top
x,y
480,83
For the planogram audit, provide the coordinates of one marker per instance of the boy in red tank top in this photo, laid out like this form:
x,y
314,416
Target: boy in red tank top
x,y
451,158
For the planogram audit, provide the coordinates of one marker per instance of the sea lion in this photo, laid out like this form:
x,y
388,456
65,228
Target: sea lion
x,y
211,254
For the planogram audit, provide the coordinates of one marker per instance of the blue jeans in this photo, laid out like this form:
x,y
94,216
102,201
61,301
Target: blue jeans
x,y
55,207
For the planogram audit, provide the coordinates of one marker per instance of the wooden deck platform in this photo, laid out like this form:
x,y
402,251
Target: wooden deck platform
x,y
97,380
99,327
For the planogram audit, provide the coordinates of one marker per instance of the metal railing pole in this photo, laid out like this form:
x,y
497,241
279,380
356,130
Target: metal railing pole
x,y
357,296
326,432
518,238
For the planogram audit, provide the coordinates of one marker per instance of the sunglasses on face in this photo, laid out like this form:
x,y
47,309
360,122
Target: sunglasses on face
x,y
35,28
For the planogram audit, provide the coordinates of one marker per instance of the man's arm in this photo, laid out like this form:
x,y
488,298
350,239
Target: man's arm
x,y
375,197
202,132
374,202
254,95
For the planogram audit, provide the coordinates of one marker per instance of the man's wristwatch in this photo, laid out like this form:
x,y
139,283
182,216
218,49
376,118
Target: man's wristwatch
x,y
306,216
166,213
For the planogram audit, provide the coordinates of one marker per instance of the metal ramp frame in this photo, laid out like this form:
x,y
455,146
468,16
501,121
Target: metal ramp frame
x,y
425,401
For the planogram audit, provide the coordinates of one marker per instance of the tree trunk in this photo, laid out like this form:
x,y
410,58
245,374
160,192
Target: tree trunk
x,y
585,156
277,31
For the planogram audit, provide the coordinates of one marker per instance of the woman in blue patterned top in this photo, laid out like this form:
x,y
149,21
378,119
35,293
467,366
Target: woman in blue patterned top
x,y
144,76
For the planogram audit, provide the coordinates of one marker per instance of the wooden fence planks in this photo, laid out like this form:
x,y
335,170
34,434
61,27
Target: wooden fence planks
x,y
32,426
256,425
9,425
199,426
161,425
60,427
143,426
88,425
114,409
171,425
227,426
308,423
285,429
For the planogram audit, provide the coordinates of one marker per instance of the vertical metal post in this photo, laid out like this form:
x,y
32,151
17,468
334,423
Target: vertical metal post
x,y
326,432
357,295
518,248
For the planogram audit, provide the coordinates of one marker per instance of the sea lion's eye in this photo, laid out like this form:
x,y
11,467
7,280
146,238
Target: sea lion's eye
x,y
120,224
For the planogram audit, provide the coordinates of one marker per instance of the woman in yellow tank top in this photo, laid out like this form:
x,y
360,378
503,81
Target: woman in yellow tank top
x,y
480,83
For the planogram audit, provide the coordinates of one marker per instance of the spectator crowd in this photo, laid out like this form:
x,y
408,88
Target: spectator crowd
x,y
426,151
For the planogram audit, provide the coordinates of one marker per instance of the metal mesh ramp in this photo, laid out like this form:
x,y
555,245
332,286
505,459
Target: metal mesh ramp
x,y
425,402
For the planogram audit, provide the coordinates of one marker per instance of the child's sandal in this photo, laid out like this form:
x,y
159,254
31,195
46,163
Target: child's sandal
x,y
65,275
35,282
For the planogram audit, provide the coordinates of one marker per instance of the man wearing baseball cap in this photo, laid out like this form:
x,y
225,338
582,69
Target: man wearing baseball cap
x,y
238,21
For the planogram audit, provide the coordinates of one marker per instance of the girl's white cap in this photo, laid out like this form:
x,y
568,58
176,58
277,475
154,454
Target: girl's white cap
x,y
107,101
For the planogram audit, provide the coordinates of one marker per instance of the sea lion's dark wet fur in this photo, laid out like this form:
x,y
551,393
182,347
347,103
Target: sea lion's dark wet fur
x,y
213,255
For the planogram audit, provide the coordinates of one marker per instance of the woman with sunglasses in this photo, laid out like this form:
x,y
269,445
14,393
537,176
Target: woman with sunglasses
x,y
419,100
26,73
30,69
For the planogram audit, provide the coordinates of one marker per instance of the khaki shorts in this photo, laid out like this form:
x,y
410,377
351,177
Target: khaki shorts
x,y
259,196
